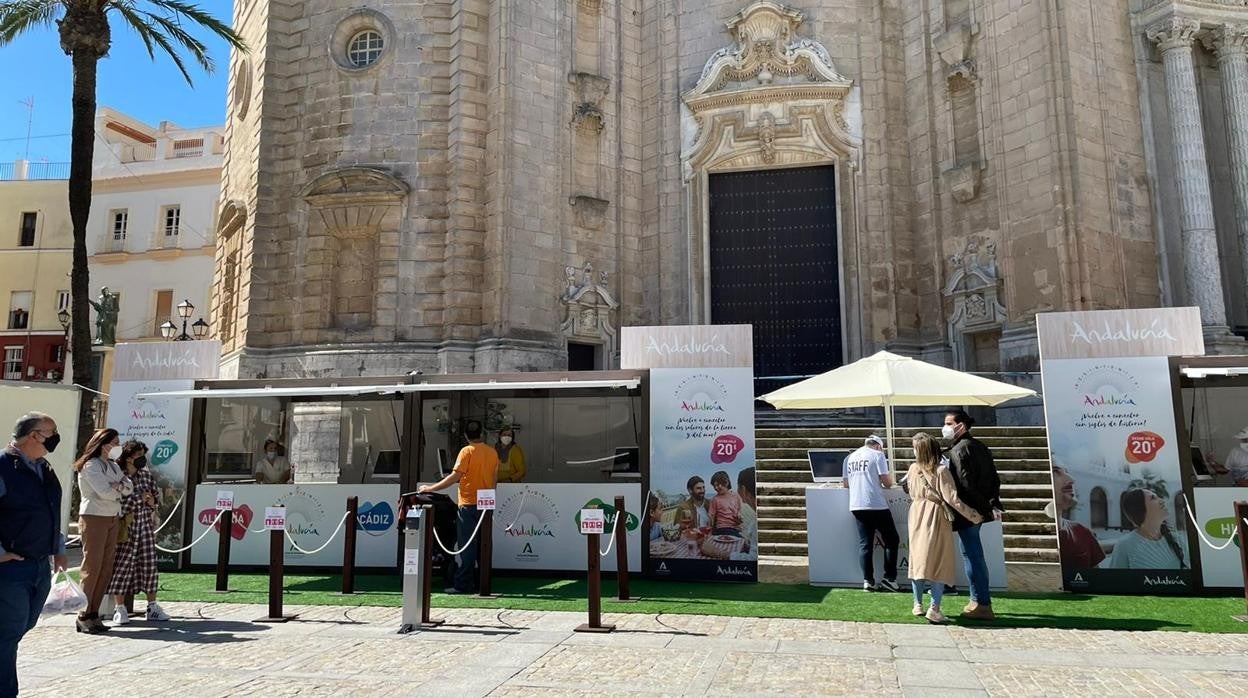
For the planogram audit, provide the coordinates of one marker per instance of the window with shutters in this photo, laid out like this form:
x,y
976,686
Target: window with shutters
x,y
19,310
164,310
30,222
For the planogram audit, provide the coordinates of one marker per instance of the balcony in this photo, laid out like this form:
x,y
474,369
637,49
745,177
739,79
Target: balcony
x,y
26,171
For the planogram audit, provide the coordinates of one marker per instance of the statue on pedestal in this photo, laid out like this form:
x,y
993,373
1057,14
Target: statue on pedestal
x,y
106,311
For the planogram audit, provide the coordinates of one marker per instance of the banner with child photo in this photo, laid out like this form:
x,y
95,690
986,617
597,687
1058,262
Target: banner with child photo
x,y
702,511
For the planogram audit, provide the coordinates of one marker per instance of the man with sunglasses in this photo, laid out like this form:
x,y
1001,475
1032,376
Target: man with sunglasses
x,y
30,535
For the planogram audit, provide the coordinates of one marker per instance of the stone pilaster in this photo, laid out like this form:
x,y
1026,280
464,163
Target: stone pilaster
x,y
1201,270
1230,43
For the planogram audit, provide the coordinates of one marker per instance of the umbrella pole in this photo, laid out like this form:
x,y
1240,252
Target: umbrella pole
x,y
888,430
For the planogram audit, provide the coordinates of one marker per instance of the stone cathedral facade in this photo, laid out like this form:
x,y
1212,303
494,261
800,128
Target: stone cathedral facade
x,y
500,185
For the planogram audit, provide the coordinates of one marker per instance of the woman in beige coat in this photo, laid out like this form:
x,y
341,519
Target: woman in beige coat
x,y
103,486
933,492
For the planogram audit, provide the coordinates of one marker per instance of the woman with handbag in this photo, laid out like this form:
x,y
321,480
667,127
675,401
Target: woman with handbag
x,y
935,498
134,571
103,486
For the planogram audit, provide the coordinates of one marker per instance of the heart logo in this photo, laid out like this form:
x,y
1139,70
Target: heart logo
x,y
241,521
163,452
1143,446
726,448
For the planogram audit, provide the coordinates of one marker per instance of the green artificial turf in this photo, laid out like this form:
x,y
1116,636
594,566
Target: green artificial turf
x,y
1210,615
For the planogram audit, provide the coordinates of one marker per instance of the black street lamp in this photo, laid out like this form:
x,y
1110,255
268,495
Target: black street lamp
x,y
170,331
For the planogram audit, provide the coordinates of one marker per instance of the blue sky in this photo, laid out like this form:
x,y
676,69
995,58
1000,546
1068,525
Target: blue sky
x,y
153,91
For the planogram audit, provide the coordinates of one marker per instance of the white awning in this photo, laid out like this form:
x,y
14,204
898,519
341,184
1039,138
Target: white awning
x,y
391,389
1207,371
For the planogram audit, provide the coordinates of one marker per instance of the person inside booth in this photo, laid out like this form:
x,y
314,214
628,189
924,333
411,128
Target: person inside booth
x,y
273,468
510,456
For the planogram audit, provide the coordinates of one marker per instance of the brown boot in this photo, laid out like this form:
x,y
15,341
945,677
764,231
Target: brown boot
x,y
980,612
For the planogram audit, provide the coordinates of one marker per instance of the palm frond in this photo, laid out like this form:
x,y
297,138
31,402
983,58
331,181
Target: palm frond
x,y
166,29
19,16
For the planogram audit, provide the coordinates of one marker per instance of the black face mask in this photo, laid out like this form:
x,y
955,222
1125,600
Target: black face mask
x,y
52,442
140,462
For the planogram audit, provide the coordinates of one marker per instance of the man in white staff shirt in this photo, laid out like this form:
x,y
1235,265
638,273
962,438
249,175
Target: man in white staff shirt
x,y
866,476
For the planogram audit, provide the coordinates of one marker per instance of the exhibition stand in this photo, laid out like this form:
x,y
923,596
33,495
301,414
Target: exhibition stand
x,y
834,558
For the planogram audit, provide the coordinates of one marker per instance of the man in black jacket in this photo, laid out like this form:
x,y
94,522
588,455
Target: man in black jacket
x,y
30,535
979,486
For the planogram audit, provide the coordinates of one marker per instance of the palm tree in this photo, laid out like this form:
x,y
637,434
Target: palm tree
x,y
86,35
1148,480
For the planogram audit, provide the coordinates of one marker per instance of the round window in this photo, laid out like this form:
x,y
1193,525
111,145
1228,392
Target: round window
x,y
365,48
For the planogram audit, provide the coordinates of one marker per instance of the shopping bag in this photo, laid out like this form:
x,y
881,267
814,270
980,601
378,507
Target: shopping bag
x,y
65,597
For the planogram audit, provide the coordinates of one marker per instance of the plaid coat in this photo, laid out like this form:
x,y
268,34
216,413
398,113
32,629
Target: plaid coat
x,y
134,571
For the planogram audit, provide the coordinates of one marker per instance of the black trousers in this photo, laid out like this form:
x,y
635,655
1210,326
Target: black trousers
x,y
871,522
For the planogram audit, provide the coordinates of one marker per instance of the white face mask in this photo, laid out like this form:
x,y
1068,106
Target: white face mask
x,y
506,440
270,455
115,453
1243,445
948,432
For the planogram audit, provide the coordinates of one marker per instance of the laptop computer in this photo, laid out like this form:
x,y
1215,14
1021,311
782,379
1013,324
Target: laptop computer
x,y
827,465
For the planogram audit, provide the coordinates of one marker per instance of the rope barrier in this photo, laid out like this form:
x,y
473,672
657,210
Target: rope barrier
x,y
197,540
171,513
467,545
1201,533
611,539
523,497
345,515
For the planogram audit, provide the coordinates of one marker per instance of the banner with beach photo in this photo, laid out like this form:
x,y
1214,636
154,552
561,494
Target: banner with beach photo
x,y
701,512
1115,453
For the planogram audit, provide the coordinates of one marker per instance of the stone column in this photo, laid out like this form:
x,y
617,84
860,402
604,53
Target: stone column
x,y
1230,43
1201,271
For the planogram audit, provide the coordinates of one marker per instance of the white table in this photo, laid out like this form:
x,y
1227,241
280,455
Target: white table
x,y
832,539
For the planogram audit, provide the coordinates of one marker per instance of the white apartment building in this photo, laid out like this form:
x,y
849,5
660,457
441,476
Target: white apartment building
x,y
153,213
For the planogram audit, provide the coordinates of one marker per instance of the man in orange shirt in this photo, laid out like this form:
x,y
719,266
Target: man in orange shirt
x,y
476,468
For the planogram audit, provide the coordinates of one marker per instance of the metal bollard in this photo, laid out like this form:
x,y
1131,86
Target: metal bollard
x,y
276,579
223,551
348,545
595,589
621,551
1241,513
426,621
485,558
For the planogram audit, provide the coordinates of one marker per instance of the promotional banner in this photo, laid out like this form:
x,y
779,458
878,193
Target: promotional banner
x,y
162,424
313,513
1114,450
537,526
701,513
834,552
1215,514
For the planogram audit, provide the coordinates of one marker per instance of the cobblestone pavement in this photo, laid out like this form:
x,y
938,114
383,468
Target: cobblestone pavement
x,y
216,650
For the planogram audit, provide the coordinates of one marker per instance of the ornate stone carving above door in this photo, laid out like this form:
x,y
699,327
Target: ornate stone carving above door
x,y
974,289
588,308
770,99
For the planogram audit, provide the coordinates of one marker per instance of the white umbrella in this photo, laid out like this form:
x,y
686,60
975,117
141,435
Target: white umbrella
x,y
888,380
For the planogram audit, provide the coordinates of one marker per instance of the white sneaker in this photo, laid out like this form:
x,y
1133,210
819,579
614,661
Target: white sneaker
x,y
120,617
918,610
868,586
155,612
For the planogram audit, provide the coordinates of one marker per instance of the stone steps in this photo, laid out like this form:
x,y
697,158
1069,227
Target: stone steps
x,y
783,472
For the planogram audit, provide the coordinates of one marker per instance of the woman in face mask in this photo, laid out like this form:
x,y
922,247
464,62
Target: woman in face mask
x,y
511,457
273,468
103,486
1237,460
134,570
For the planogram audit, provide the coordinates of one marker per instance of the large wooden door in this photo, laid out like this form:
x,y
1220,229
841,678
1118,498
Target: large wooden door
x,y
774,265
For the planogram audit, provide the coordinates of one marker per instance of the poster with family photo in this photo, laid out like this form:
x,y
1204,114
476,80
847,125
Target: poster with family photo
x,y
701,520
1117,480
